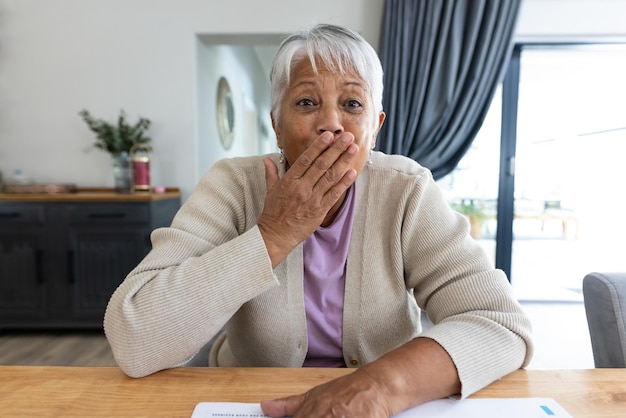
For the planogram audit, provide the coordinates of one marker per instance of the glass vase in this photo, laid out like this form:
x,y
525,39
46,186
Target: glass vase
x,y
122,172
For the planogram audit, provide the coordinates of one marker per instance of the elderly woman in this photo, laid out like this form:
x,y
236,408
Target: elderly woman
x,y
323,256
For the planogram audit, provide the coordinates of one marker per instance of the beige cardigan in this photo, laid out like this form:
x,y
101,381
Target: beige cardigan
x,y
408,249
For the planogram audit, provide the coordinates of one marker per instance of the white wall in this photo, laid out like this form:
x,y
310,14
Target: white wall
x,y
60,56
578,19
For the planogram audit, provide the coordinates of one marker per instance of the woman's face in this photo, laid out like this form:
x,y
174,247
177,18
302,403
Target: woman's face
x,y
326,101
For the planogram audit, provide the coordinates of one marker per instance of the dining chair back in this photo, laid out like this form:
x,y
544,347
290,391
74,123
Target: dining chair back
x,y
605,306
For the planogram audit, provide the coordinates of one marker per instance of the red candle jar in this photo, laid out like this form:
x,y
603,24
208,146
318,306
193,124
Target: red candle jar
x,y
140,157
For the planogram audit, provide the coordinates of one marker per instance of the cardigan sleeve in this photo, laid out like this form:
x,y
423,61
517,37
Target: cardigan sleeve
x,y
476,317
174,301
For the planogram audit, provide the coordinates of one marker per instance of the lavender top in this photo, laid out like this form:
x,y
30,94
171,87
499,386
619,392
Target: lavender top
x,y
325,254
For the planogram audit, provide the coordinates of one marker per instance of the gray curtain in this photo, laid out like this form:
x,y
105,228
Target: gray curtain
x,y
443,60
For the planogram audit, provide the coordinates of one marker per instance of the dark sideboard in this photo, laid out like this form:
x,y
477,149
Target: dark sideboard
x,y
63,255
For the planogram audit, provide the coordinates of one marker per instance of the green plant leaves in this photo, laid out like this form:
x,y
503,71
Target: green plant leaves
x,y
118,137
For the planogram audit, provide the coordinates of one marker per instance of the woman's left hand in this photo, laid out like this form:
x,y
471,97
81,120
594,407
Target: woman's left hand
x,y
414,373
355,395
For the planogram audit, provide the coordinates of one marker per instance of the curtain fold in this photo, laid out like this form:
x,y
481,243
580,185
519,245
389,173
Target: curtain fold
x,y
442,60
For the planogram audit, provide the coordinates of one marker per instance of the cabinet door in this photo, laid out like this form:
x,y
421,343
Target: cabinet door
x,y
22,280
106,241
98,261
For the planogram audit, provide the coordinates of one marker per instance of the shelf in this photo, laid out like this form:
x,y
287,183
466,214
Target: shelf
x,y
92,195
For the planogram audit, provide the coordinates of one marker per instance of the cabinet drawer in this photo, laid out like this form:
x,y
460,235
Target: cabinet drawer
x,y
108,213
13,214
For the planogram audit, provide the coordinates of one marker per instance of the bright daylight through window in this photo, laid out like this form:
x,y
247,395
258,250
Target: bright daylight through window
x,y
569,195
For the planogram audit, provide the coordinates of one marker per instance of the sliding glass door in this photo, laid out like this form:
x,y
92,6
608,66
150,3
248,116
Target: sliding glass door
x,y
558,147
569,178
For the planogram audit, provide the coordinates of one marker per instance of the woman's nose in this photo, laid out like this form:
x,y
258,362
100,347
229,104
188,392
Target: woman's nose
x,y
329,120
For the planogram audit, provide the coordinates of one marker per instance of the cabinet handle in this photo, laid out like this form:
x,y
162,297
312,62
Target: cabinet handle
x,y
106,215
70,267
39,266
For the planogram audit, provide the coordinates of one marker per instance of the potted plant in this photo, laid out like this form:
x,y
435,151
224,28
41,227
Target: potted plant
x,y
117,139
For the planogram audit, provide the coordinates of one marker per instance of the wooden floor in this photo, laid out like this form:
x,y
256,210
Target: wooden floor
x,y
560,333
86,348
55,349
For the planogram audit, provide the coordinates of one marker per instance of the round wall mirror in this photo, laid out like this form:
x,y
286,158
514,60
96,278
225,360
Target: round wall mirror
x,y
225,114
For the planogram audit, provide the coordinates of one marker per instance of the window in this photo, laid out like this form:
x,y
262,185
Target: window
x,y
567,193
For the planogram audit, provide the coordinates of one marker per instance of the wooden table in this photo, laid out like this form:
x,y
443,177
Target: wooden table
x,y
29,391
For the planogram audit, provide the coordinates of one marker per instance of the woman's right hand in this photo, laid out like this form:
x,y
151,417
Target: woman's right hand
x,y
296,205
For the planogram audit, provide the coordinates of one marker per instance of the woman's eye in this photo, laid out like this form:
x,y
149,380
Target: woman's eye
x,y
353,104
305,102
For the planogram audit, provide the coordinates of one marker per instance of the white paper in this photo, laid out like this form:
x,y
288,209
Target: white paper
x,y
227,410
443,408
488,408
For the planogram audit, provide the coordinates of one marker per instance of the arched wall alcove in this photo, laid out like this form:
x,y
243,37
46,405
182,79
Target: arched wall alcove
x,y
244,61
